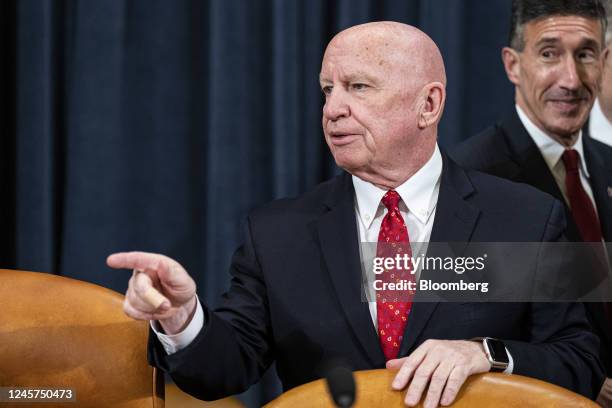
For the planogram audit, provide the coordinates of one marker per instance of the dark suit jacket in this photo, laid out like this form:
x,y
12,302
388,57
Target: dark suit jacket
x,y
506,150
295,296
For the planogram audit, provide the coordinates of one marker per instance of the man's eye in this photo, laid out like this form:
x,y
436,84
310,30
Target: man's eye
x,y
586,56
326,90
359,87
548,54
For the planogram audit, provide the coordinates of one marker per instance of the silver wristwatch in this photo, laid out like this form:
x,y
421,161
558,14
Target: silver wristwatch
x,y
495,351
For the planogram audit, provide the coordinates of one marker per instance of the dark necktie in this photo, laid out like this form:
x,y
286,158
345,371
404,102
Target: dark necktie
x,y
393,306
583,211
581,205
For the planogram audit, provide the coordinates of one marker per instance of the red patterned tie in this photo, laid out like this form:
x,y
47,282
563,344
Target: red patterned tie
x,y
581,205
393,307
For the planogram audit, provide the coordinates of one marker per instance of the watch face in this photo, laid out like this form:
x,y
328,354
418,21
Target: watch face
x,y
497,350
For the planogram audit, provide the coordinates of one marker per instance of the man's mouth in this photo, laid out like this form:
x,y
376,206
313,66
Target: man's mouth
x,y
340,139
567,105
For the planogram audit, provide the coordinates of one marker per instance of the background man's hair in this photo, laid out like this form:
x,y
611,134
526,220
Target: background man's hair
x,y
524,11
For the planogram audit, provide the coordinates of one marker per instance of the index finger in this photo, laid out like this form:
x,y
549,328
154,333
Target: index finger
x,y
141,261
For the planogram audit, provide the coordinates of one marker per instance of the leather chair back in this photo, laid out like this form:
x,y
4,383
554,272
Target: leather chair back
x,y
57,332
483,390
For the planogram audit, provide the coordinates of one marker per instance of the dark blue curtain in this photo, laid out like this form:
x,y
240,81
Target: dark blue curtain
x,y
156,125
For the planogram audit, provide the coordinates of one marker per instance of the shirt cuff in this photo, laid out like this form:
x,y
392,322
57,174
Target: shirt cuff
x,y
175,342
510,367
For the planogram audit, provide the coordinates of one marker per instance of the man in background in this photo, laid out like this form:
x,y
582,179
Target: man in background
x,y
600,121
555,60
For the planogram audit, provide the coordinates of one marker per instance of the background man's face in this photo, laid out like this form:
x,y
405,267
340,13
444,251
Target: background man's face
x,y
605,95
368,113
560,71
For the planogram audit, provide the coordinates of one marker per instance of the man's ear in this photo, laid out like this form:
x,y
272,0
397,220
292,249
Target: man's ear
x,y
433,97
511,60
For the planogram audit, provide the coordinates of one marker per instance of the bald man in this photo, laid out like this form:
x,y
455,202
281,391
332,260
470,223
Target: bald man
x,y
296,291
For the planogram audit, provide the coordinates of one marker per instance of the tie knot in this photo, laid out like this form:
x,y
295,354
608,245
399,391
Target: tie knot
x,y
571,159
391,199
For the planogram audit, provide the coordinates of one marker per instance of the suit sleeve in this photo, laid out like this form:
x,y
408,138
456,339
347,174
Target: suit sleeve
x,y
234,348
561,348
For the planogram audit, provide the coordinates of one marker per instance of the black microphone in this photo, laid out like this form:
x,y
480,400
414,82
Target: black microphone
x,y
341,385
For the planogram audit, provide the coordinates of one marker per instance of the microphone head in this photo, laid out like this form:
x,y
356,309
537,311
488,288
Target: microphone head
x,y
341,385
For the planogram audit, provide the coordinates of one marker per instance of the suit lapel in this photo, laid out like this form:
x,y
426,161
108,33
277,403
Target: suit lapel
x,y
454,223
600,180
600,174
337,231
532,168
525,153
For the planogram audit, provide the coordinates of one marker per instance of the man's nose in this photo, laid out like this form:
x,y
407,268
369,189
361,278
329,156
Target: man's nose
x,y
570,74
336,105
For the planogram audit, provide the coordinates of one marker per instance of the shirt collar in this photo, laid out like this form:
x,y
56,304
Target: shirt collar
x,y
417,192
551,149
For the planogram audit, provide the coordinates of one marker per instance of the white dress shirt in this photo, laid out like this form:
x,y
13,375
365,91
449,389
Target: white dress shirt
x,y
600,128
552,151
418,207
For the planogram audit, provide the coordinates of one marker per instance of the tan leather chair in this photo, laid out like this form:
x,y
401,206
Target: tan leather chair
x,y
60,332
483,390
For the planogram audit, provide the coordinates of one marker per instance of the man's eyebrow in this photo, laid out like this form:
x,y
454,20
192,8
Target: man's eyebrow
x,y
360,75
585,42
352,77
547,41
590,43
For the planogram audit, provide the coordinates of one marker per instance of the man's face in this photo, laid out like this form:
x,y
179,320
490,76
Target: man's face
x,y
559,72
605,95
368,115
